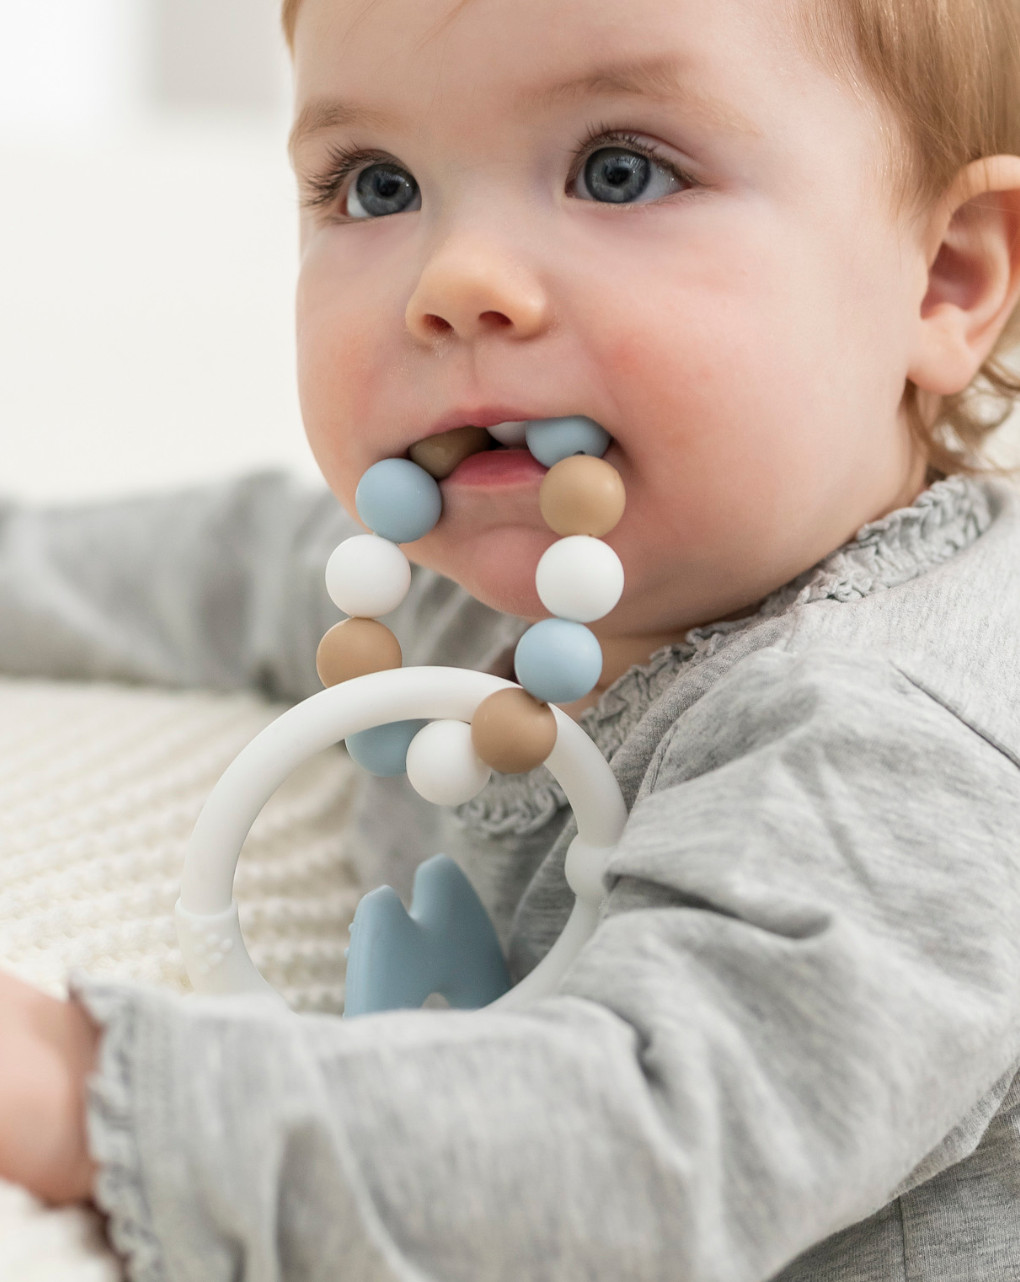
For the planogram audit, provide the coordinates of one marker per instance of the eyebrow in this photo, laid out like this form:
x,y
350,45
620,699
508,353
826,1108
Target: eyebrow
x,y
657,78
331,113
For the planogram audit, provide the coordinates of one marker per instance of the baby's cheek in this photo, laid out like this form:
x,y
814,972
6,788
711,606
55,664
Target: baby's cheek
x,y
337,375
628,356
674,359
642,382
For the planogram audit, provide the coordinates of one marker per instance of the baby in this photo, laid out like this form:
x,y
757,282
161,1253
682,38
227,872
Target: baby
x,y
769,247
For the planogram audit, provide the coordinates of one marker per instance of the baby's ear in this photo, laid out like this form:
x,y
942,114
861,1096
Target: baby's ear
x,y
974,277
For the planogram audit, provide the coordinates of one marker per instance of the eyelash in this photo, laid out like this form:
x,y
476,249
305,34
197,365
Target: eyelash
x,y
324,188
341,162
598,136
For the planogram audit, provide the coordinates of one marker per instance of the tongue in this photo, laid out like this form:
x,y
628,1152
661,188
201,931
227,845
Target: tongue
x,y
440,454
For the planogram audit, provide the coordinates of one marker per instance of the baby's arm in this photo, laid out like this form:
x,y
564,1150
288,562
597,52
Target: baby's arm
x,y
216,587
805,983
219,586
47,1049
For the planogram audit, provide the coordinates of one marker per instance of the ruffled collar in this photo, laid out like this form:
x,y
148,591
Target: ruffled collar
x,y
944,519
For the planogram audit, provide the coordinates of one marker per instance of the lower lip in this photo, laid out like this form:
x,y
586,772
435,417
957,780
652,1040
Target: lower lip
x,y
497,467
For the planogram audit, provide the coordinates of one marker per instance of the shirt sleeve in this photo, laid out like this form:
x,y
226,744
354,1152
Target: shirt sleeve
x,y
805,978
217,586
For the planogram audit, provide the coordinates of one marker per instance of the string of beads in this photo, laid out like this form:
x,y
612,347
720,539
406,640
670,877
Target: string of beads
x,y
579,579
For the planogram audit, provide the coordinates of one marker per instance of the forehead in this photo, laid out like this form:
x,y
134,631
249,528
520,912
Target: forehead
x,y
479,78
487,47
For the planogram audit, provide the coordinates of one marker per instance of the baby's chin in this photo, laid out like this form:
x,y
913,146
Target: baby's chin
x,y
496,566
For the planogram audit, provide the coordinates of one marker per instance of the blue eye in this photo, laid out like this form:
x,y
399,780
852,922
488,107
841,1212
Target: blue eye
x,y
380,189
625,175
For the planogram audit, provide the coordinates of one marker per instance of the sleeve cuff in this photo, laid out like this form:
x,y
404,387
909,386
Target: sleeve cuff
x,y
119,1190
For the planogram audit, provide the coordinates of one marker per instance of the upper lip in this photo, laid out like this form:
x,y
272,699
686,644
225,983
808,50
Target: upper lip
x,y
481,416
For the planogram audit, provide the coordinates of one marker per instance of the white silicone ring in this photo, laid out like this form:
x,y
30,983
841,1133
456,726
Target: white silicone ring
x,y
215,955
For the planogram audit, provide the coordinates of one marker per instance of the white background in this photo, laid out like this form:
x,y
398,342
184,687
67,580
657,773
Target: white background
x,y
147,245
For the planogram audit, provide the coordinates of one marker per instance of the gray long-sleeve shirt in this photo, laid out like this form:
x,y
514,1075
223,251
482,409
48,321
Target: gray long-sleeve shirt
x,y
790,1050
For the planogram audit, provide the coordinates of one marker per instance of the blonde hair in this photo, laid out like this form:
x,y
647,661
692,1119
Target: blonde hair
x,y
288,18
948,73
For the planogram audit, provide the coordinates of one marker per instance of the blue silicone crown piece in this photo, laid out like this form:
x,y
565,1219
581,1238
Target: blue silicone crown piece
x,y
382,750
446,945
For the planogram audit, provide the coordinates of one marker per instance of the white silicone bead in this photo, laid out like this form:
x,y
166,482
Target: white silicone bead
x,y
579,578
367,576
442,765
511,433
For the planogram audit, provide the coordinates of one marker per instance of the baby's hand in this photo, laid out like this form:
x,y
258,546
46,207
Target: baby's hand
x,y
47,1049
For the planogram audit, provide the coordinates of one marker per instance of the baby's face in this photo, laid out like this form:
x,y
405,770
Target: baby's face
x,y
661,215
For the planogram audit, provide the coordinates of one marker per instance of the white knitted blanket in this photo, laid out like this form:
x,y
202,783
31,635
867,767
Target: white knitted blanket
x,y
99,789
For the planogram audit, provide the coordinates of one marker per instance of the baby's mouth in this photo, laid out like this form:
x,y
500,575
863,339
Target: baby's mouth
x,y
441,454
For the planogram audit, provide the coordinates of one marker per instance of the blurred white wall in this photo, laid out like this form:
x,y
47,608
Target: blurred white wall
x,y
147,245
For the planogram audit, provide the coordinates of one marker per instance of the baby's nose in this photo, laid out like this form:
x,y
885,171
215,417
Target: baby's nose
x,y
469,291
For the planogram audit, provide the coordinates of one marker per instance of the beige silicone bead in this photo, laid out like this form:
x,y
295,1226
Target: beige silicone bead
x,y
356,646
440,454
582,495
512,731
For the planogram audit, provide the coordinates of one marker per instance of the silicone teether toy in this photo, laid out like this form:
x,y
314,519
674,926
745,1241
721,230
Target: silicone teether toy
x,y
448,728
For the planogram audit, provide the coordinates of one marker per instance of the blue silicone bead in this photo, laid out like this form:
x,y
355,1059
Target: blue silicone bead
x,y
558,661
398,500
382,750
553,439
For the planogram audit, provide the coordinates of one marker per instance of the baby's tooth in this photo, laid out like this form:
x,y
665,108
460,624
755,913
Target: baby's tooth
x,y
509,433
440,454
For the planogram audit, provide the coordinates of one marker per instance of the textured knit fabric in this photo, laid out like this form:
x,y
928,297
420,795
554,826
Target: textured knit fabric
x,y
790,1049
100,787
